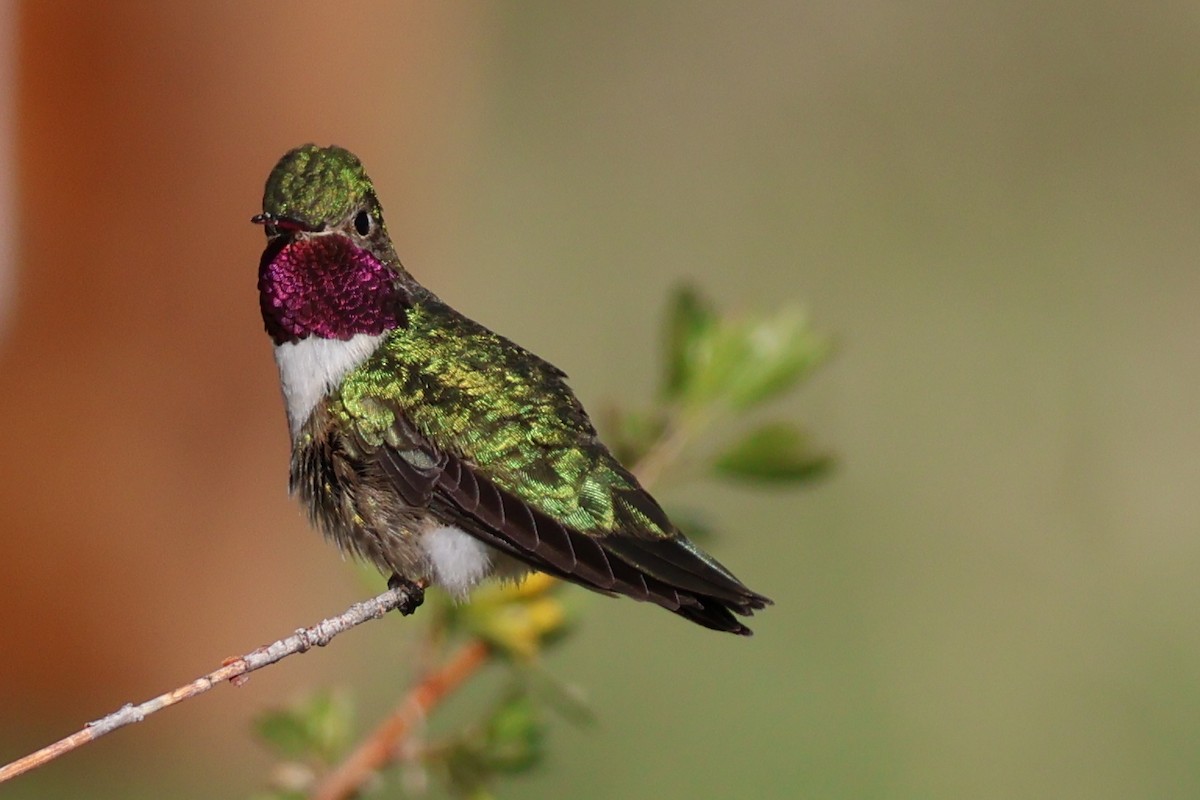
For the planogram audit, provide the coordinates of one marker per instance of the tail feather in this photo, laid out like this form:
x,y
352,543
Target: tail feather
x,y
715,615
681,564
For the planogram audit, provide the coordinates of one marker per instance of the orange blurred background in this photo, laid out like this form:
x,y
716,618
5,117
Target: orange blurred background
x,y
147,529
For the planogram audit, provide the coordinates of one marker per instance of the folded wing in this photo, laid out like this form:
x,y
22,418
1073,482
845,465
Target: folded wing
x,y
651,562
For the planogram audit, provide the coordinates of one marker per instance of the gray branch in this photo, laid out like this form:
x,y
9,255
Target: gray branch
x,y
233,670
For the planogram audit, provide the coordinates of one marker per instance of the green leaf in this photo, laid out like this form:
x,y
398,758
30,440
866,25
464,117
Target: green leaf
x,y
777,353
777,452
510,741
719,358
285,732
740,361
514,735
691,321
316,728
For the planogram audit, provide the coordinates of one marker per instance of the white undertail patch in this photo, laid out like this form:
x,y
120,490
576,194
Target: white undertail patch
x,y
459,560
309,368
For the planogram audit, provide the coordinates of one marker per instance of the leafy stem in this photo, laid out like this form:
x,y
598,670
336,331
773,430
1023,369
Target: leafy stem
x,y
379,748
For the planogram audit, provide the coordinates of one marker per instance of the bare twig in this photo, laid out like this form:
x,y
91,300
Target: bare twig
x,y
379,748
318,635
662,452
682,427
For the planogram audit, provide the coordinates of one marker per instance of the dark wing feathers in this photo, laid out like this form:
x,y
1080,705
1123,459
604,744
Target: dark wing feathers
x,y
675,561
414,472
670,572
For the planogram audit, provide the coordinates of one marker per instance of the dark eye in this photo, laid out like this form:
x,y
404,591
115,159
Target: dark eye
x,y
362,222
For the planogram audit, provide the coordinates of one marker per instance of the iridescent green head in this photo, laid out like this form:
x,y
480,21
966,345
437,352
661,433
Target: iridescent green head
x,y
318,189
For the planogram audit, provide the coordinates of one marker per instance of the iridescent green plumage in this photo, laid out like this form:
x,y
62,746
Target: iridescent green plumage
x,y
442,424
317,184
508,413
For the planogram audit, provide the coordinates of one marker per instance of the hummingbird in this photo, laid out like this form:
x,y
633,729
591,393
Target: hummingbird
x,y
434,448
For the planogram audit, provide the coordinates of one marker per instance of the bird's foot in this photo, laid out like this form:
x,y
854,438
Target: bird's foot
x,y
414,593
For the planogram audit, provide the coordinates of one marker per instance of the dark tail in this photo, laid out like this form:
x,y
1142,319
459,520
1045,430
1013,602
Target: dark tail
x,y
698,586
667,570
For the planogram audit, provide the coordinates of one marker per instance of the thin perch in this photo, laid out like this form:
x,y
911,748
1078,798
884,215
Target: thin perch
x,y
302,640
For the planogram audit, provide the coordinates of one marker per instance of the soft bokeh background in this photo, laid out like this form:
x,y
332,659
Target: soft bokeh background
x,y
993,206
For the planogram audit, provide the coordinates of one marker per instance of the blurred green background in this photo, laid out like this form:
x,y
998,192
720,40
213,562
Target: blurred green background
x,y
991,206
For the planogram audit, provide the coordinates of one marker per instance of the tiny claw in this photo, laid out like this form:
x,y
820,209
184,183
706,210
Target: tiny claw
x,y
414,593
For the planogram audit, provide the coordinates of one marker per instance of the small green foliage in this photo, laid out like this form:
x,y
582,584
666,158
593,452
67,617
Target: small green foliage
x,y
777,452
778,352
317,728
509,742
514,735
691,321
735,361
285,731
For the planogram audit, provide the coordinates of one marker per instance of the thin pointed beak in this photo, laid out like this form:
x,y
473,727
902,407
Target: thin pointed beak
x,y
286,224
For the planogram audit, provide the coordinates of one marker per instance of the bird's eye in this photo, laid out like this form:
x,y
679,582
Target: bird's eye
x,y
362,222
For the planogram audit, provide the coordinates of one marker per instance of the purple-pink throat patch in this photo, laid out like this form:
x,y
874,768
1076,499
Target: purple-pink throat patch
x,y
325,286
